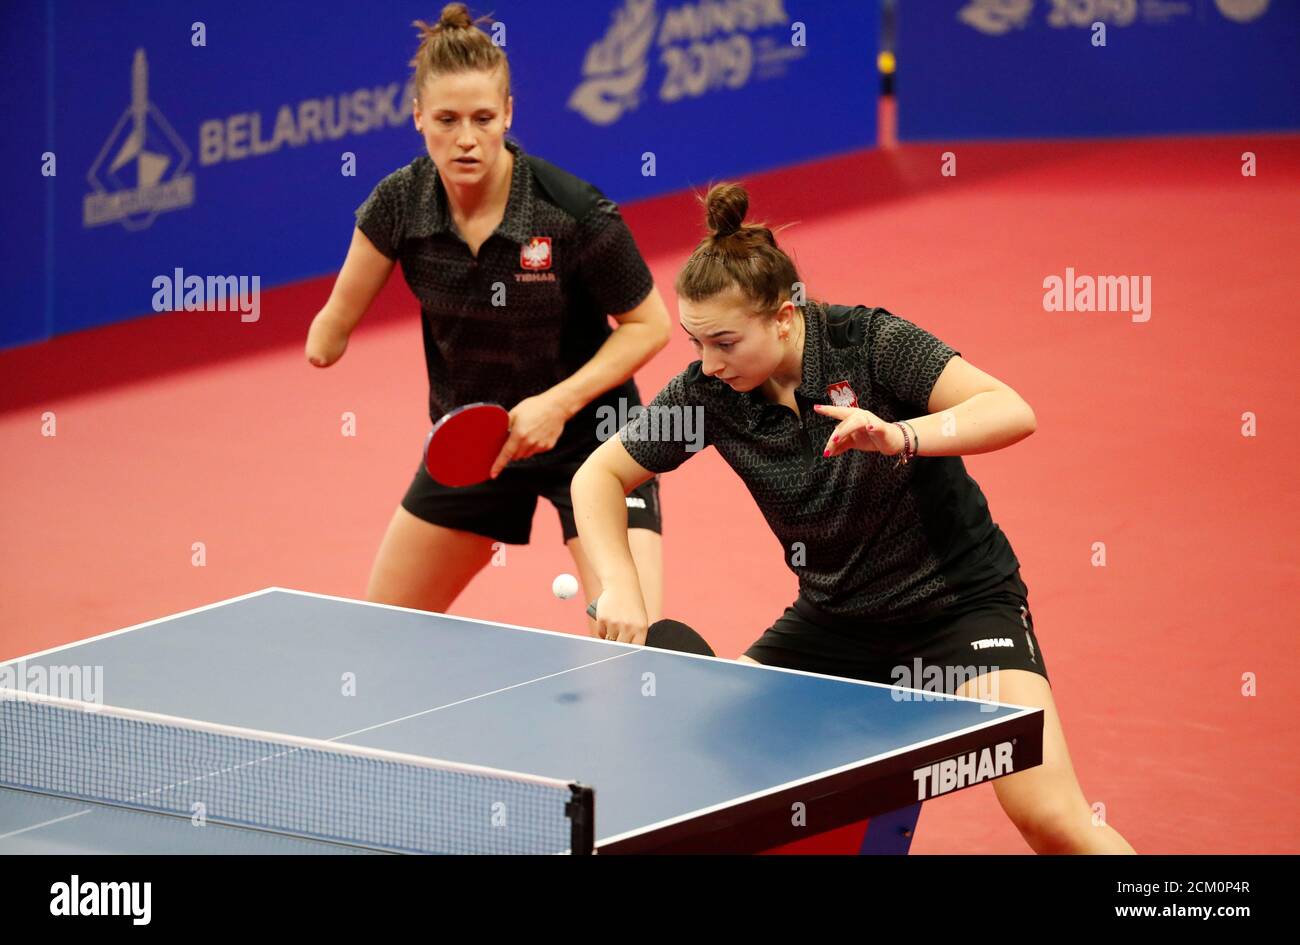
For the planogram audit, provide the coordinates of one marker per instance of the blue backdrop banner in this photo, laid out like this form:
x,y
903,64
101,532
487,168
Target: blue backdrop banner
x,y
1038,68
235,139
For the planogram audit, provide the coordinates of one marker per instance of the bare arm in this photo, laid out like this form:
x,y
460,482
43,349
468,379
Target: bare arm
x,y
364,272
970,412
641,334
599,488
536,422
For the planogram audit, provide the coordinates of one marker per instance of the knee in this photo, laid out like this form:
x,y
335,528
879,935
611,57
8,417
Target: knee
x,y
1052,827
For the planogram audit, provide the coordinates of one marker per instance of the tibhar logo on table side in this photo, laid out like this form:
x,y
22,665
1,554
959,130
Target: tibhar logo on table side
x,y
963,771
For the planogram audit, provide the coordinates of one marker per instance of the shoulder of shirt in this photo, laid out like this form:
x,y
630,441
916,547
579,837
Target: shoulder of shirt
x,y
866,320
689,381
693,382
418,173
558,187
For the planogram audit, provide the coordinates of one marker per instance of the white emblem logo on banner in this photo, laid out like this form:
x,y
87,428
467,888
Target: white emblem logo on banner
x,y
140,171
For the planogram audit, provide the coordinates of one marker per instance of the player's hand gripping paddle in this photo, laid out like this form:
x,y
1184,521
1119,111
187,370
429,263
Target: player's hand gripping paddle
x,y
670,635
465,442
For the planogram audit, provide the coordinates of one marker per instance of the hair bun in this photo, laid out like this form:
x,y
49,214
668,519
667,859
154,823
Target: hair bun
x,y
456,16
725,207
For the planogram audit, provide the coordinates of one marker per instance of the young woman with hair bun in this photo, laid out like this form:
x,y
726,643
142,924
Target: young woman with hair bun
x,y
518,266
847,425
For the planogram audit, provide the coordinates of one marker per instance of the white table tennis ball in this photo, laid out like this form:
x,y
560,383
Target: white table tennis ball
x,y
564,586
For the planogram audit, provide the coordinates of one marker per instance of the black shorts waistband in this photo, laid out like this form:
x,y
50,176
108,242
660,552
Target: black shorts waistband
x,y
857,624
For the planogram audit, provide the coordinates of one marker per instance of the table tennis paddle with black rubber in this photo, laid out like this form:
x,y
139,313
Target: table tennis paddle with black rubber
x,y
465,442
670,635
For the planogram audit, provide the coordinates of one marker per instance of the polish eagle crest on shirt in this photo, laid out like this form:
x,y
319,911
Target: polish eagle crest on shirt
x,y
841,394
536,253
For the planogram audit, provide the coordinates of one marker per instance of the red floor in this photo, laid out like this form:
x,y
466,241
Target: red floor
x,y
185,432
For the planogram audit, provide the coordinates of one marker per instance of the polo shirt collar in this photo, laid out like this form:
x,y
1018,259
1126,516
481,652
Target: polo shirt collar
x,y
431,213
813,382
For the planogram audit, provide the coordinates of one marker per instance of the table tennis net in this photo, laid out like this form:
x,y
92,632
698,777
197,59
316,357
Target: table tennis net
x,y
321,790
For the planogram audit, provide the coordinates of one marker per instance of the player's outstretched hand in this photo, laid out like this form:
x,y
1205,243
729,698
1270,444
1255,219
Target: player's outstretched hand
x,y
860,430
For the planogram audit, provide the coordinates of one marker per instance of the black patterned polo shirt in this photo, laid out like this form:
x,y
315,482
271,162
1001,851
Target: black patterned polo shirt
x,y
870,541
533,307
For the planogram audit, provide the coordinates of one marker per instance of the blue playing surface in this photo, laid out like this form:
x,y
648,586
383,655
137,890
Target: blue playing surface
x,y
661,736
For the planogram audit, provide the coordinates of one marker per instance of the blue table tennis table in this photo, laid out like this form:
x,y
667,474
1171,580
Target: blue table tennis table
x,y
633,750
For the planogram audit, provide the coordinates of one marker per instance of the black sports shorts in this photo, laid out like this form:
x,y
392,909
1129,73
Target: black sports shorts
x,y
502,508
994,631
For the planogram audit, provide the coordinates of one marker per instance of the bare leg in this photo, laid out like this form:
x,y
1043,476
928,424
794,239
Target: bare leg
x,y
425,566
1045,803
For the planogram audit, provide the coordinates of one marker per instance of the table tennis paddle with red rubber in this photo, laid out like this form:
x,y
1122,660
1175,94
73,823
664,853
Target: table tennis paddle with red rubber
x,y
465,442
670,635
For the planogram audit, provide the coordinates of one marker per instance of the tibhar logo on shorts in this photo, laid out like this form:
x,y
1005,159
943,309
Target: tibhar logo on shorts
x,y
841,394
962,771
635,502
992,642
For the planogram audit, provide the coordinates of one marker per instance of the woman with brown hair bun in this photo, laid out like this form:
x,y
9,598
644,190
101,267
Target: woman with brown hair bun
x,y
847,425
517,265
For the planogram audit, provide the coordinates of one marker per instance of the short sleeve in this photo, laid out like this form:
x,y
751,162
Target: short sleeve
x,y
609,263
905,358
669,431
382,216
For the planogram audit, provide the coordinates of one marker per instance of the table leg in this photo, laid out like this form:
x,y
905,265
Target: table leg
x,y
891,834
